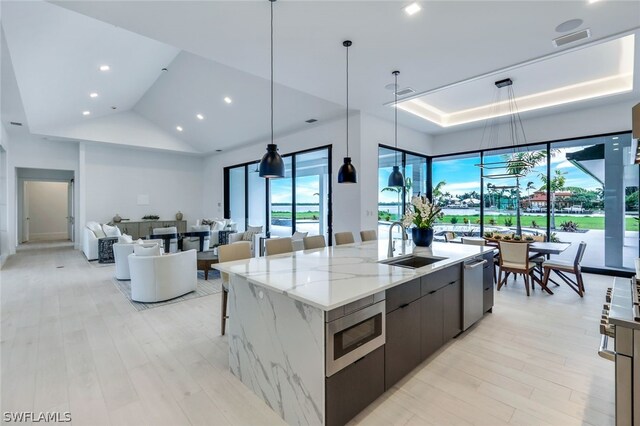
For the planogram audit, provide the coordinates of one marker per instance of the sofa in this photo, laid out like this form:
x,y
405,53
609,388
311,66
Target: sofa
x,y
92,232
215,226
160,277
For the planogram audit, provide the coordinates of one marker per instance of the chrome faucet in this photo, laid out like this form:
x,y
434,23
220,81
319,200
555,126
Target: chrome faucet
x,y
404,236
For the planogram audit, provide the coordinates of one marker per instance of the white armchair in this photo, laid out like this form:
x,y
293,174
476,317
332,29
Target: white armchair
x,y
159,278
173,244
254,239
189,243
217,225
121,252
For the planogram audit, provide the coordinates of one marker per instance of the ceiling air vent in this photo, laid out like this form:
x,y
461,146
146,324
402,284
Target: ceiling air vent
x,y
572,38
15,123
311,120
405,91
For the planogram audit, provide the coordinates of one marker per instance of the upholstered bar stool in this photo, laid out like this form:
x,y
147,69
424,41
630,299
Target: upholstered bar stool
x,y
228,253
314,242
344,238
278,246
369,235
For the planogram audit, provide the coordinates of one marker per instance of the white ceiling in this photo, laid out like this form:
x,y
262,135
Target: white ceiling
x,y
447,42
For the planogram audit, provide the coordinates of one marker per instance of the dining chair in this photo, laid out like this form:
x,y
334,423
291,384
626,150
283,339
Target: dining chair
x,y
514,259
278,246
473,242
344,238
228,253
449,236
369,235
562,267
314,242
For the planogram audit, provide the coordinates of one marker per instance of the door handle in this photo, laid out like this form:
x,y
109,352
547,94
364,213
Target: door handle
x,y
475,265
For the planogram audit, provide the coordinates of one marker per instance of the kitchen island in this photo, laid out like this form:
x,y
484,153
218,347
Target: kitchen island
x,y
319,334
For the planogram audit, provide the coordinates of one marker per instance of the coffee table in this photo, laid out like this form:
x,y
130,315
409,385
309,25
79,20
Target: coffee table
x,y
205,259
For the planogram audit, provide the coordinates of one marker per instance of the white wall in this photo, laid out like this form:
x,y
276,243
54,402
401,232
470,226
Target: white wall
x,y
4,189
584,122
114,178
48,206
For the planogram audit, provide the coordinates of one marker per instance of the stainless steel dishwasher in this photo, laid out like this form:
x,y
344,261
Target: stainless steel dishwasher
x,y
472,292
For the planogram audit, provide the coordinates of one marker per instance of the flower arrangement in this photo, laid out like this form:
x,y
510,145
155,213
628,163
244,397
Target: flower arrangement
x,y
421,213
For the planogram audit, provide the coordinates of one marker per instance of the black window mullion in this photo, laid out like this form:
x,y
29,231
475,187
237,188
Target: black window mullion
x,y
481,194
293,194
548,192
246,196
267,199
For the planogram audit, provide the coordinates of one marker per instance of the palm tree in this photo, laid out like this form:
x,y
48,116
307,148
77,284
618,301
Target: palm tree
x,y
521,163
437,191
530,186
557,184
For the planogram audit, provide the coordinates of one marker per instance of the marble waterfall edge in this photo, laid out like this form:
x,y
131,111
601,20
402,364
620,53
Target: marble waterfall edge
x,y
276,348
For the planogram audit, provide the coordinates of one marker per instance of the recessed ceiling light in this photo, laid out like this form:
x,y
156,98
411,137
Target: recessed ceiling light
x,y
592,1
105,67
218,150
227,99
412,9
179,128
615,138
93,95
616,144
616,149
569,25
200,116
86,112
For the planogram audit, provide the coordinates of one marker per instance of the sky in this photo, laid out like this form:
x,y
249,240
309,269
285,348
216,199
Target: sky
x,y
461,175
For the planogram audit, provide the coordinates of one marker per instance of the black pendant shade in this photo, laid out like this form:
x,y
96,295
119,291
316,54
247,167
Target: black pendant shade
x,y
396,180
347,173
271,165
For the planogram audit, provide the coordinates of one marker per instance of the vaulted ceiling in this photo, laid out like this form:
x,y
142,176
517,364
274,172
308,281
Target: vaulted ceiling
x,y
217,49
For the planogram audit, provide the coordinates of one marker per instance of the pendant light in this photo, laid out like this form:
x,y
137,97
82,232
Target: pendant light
x,y
271,165
396,180
347,173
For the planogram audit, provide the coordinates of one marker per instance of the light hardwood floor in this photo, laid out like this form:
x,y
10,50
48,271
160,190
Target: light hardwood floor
x,y
71,342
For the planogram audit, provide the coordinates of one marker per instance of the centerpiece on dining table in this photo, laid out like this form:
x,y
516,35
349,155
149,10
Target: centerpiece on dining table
x,y
420,216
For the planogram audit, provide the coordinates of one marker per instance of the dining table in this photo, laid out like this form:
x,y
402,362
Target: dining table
x,y
179,236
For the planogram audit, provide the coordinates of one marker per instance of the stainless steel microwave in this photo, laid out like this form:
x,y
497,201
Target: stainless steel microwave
x,y
354,335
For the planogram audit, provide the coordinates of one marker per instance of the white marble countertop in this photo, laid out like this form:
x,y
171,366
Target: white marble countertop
x,y
334,276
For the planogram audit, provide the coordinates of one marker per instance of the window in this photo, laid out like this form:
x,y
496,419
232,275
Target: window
x,y
298,202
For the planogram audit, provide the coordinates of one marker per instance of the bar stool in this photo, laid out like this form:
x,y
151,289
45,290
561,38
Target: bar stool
x,y
228,253
278,246
369,235
344,238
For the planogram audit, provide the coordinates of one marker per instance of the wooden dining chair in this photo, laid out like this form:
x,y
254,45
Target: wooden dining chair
x,y
278,246
369,235
562,267
228,253
449,236
314,242
344,238
514,259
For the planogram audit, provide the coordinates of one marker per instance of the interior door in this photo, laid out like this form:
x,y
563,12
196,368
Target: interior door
x,y
25,212
70,211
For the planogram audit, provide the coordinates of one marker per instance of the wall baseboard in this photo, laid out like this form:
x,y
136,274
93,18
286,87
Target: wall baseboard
x,y
48,236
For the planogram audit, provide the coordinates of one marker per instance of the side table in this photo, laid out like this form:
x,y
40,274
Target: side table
x,y
105,249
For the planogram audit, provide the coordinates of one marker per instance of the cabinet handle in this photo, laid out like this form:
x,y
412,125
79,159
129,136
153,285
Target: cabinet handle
x,y
404,305
433,291
355,362
451,283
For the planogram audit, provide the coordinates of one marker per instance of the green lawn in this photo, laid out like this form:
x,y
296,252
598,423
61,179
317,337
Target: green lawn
x,y
299,215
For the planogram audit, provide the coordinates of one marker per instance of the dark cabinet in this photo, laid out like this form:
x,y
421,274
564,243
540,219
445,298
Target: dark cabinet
x,y
432,321
452,315
402,295
487,283
402,348
351,390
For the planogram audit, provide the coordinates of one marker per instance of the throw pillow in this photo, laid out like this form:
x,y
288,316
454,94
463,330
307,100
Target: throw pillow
x,y
111,231
125,239
96,229
147,250
299,235
255,229
250,232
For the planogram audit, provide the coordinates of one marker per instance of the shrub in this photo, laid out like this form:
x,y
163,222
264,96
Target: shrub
x,y
569,226
554,238
497,237
492,221
517,238
465,220
508,221
454,220
477,221
488,234
506,238
534,224
528,238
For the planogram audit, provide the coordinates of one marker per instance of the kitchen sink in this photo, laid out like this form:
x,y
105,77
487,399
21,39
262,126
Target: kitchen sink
x,y
413,262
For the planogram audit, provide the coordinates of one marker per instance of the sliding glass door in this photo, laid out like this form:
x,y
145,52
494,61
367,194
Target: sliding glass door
x,y
301,201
